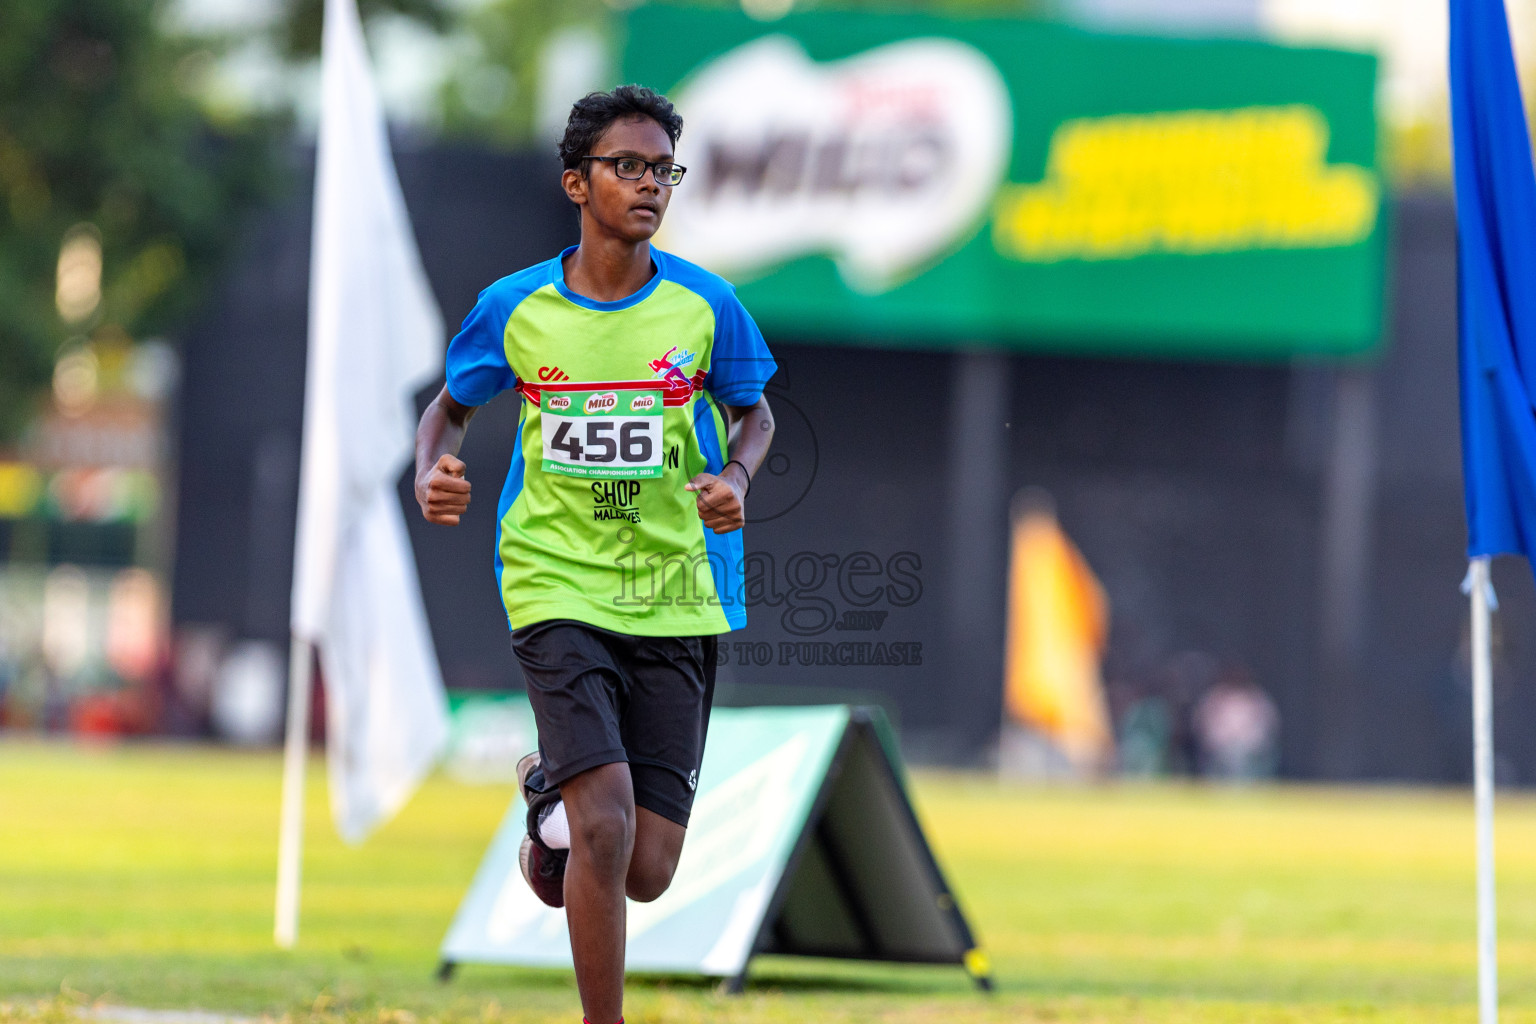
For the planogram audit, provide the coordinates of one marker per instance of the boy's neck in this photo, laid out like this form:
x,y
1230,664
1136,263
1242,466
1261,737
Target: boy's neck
x,y
608,269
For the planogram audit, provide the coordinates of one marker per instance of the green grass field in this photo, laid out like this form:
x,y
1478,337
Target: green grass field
x,y
144,876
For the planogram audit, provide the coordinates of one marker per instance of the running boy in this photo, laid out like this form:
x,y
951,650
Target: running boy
x,y
618,531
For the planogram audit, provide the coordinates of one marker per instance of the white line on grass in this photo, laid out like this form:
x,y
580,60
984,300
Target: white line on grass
x,y
138,1015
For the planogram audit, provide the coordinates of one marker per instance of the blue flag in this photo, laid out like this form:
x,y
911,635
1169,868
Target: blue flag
x,y
1496,271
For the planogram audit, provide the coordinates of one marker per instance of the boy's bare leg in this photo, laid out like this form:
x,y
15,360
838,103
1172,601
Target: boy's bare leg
x,y
658,844
600,804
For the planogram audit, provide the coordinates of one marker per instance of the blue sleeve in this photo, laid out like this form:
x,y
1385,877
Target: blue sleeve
x,y
476,366
740,364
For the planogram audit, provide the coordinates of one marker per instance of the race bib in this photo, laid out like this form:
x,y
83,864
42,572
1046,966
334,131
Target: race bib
x,y
602,433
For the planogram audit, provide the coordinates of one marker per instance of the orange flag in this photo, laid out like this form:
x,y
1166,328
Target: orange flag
x,y
1058,622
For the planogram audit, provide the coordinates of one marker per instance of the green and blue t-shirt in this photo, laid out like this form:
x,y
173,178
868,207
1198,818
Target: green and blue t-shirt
x,y
620,409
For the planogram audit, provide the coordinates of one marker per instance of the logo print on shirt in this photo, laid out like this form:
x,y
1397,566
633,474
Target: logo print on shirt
x,y
670,369
615,499
549,374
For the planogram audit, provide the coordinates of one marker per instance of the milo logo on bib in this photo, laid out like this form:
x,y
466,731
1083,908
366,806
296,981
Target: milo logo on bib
x,y
612,433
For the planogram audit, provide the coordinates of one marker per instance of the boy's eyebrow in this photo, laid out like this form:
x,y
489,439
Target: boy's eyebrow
x,y
642,156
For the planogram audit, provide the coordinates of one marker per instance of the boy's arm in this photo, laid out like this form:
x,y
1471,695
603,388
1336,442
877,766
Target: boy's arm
x,y
721,499
441,490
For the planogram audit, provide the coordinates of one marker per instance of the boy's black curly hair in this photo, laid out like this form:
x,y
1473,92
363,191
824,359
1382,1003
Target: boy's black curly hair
x,y
592,114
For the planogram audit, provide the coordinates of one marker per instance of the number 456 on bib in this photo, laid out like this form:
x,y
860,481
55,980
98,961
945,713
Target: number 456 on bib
x,y
614,433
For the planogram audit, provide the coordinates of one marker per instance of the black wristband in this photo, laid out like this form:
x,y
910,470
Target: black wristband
x,y
744,473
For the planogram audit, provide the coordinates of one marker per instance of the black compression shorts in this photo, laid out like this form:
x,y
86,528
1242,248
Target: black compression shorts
x,y
601,697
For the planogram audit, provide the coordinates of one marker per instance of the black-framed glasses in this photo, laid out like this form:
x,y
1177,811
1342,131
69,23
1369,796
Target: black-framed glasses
x,y
632,168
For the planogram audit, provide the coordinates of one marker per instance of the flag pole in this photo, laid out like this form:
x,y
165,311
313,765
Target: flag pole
x,y
1482,771
290,839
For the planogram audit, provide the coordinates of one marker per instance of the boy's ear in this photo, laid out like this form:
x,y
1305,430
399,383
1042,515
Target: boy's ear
x,y
575,185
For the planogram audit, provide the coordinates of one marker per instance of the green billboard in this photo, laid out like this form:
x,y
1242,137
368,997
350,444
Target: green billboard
x,y
911,181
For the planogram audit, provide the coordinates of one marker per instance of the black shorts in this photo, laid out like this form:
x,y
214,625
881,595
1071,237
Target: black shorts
x,y
601,697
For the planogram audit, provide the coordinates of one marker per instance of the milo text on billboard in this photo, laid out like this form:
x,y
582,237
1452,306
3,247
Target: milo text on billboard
x,y
907,180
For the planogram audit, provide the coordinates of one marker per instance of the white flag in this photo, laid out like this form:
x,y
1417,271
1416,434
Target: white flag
x,y
375,338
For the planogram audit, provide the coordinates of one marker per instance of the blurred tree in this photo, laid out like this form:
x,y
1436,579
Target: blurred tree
x,y
494,93
302,20
117,193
